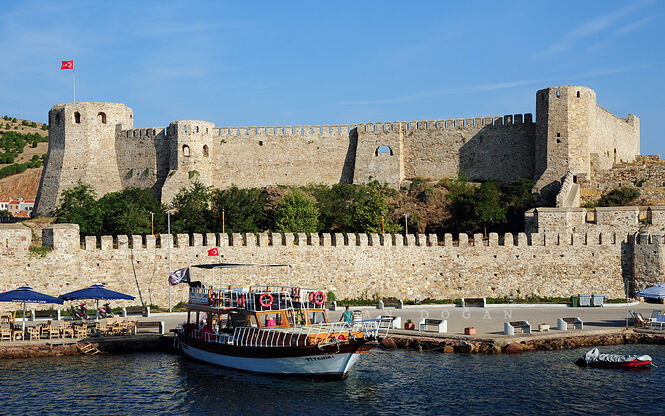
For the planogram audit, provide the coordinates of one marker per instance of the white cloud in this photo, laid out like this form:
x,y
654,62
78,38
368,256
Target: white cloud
x,y
593,27
489,87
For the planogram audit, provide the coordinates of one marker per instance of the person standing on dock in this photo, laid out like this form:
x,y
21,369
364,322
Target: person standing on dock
x,y
347,315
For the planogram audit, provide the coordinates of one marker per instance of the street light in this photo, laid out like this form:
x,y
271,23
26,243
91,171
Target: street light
x,y
383,229
406,224
152,223
168,220
223,222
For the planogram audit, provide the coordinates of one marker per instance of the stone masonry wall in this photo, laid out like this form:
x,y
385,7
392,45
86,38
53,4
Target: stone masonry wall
x,y
500,147
646,172
353,266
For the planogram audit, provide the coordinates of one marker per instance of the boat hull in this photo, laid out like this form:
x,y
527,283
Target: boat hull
x,y
610,364
307,362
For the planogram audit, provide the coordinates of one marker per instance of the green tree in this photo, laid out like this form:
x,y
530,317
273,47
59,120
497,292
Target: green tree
x,y
461,205
128,212
192,209
5,213
297,213
244,210
370,205
78,206
488,208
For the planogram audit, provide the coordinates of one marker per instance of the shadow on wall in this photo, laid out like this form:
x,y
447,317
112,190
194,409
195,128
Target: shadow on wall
x,y
502,152
627,269
350,159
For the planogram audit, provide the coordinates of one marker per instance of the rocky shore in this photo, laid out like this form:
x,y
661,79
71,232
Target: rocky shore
x,y
124,345
472,346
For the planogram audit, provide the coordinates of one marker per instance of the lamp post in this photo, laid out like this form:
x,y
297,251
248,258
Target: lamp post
x,y
152,223
168,220
383,228
406,224
223,223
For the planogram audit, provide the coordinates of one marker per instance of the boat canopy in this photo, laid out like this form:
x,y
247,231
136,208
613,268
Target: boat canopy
x,y
230,265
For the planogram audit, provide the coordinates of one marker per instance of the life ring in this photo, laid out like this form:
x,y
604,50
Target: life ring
x,y
211,298
266,303
241,301
295,293
311,297
319,298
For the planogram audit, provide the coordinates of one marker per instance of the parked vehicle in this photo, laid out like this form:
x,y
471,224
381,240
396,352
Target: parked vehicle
x,y
80,312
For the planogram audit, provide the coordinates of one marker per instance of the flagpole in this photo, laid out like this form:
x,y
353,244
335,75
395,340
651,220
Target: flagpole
x,y
74,72
168,217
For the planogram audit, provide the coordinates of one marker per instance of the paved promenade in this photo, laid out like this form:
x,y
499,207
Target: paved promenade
x,y
487,321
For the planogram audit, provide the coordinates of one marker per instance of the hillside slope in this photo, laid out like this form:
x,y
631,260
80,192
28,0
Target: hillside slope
x,y
24,184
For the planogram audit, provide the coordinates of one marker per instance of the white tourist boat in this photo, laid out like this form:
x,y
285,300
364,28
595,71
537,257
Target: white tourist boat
x,y
280,330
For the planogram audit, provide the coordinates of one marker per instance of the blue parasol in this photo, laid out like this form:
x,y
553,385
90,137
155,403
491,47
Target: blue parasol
x,y
26,295
654,292
97,292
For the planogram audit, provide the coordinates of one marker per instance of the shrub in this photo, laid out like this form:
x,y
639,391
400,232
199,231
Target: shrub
x,y
619,197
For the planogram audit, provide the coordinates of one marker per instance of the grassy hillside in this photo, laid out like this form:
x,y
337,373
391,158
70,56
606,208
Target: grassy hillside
x,y
23,148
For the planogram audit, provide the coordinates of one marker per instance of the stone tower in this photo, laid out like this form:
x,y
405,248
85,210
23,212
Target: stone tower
x,y
190,156
81,148
574,134
564,117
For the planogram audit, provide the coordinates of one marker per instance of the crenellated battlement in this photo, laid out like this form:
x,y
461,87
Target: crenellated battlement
x,y
388,126
326,240
143,132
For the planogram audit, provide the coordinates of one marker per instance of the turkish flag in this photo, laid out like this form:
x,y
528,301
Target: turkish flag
x,y
213,252
67,64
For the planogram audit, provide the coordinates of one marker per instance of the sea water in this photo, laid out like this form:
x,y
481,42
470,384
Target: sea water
x,y
383,382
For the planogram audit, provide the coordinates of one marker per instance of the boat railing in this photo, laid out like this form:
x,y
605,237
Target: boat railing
x,y
258,298
318,334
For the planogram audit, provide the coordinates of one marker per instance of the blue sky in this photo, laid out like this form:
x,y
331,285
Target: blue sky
x,y
280,63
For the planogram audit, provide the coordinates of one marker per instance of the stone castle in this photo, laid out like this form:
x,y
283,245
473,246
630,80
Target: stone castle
x,y
572,136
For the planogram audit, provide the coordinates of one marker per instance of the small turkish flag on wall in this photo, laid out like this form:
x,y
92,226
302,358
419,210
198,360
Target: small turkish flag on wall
x,y
67,64
213,252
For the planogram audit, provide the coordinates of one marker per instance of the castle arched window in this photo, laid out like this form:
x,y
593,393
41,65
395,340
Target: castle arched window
x,y
58,119
578,94
101,116
185,151
383,150
197,129
77,117
558,94
185,129
205,150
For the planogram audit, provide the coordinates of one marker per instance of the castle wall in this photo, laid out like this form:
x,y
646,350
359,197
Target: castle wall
x,y
571,134
261,156
616,139
351,266
484,147
138,152
647,173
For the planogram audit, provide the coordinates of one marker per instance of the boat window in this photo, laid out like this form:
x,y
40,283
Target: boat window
x,y
317,317
271,320
300,318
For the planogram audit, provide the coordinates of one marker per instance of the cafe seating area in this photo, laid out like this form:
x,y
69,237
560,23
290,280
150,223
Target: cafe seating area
x,y
12,331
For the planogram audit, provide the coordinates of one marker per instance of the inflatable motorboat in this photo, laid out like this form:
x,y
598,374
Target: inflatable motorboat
x,y
595,359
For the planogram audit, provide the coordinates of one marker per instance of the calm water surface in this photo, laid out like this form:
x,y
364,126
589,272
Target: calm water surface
x,y
384,382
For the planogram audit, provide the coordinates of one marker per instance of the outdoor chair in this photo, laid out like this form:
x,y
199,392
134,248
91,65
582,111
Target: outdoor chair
x,y
5,333
66,329
81,331
33,332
